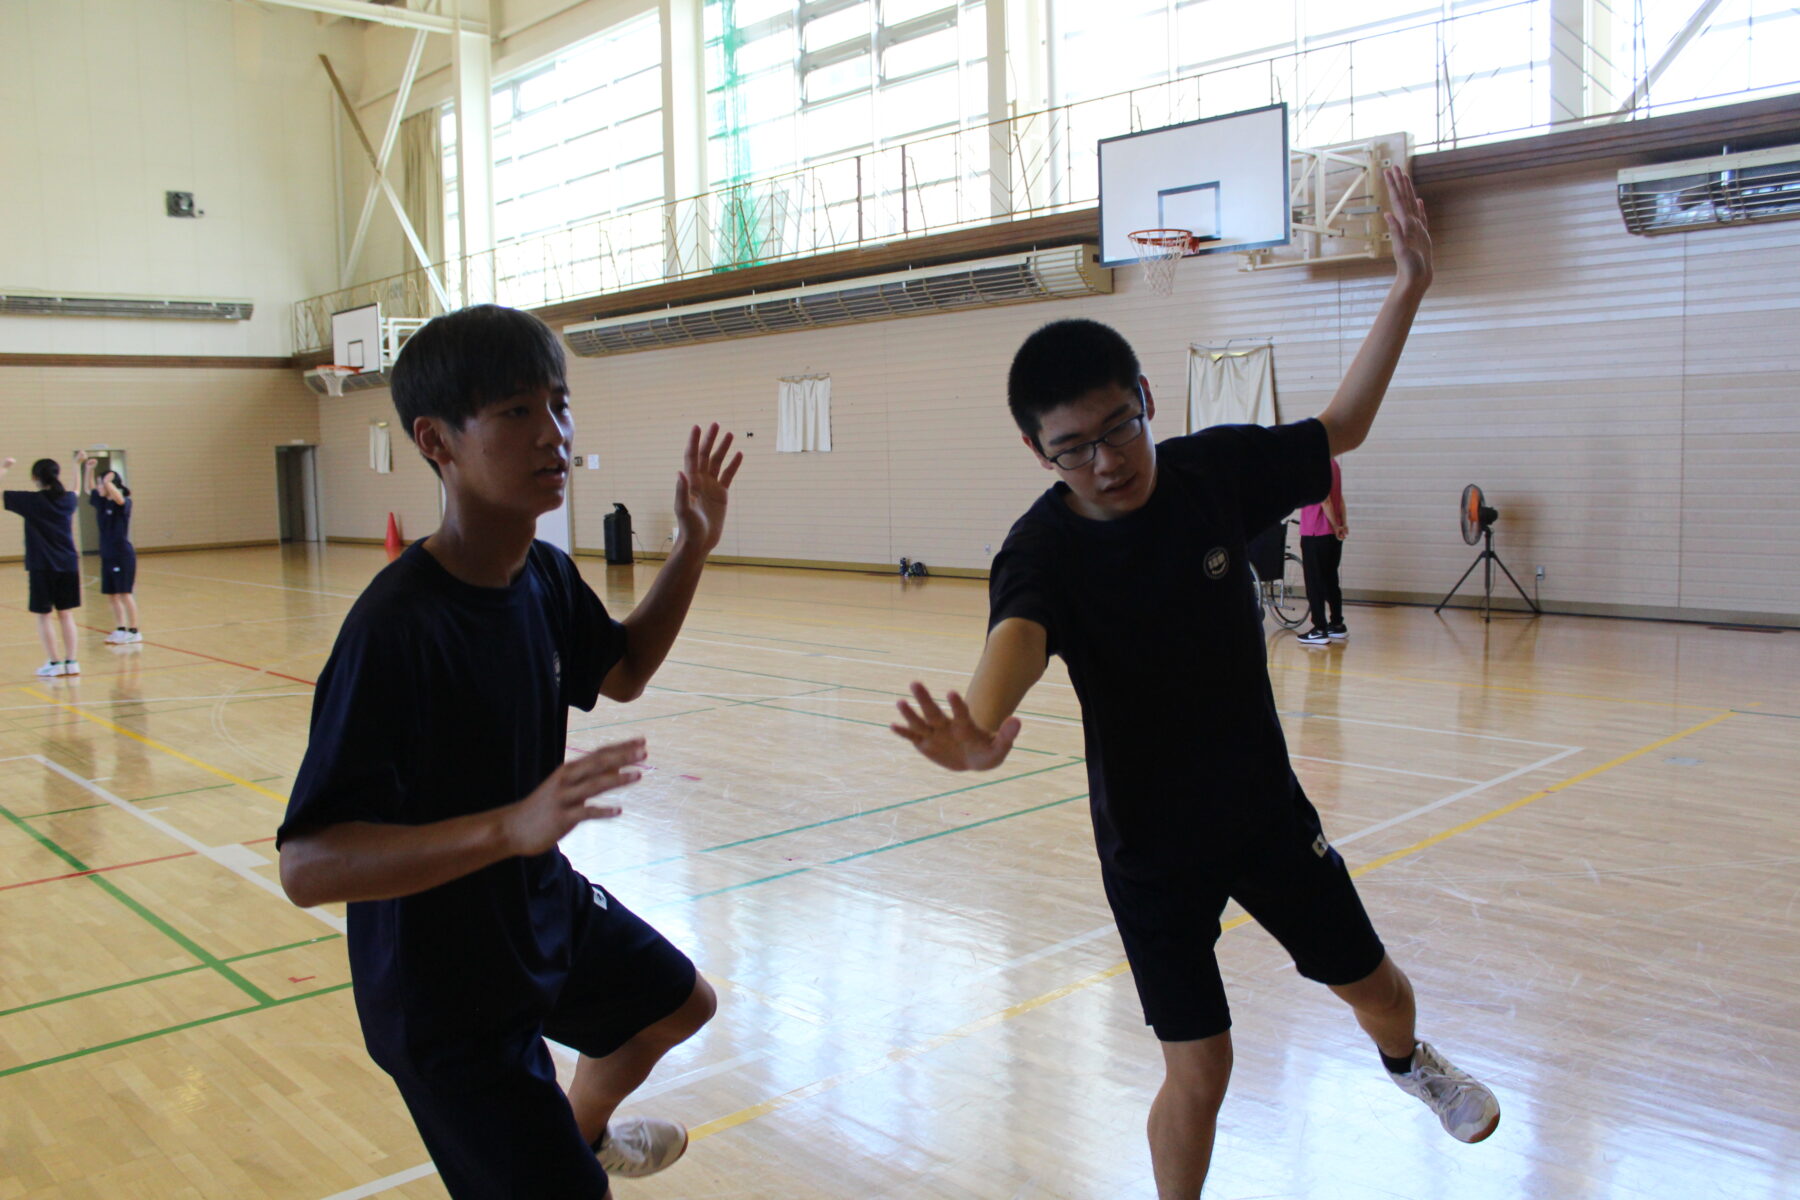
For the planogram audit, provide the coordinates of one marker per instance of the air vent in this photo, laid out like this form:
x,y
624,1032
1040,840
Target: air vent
x,y
1703,193
181,308
1040,275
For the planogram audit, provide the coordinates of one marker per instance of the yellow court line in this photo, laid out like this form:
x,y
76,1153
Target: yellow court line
x,y
788,1099
221,772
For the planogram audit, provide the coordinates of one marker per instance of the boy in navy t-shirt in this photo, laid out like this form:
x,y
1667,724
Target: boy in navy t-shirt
x,y
434,788
52,564
1132,568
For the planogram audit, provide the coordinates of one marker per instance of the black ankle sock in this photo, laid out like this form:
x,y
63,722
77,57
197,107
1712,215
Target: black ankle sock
x,y
1395,1066
133,629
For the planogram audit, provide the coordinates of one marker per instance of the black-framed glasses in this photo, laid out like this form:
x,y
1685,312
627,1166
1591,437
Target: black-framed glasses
x,y
1122,434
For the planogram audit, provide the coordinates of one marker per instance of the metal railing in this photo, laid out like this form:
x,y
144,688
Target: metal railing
x,y
1474,78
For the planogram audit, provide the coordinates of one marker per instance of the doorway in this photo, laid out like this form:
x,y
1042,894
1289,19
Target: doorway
x,y
297,493
87,524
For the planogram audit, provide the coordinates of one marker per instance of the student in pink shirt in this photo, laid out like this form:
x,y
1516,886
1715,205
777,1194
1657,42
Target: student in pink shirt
x,y
1323,528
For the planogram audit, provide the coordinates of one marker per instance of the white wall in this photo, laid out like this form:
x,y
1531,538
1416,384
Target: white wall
x,y
110,103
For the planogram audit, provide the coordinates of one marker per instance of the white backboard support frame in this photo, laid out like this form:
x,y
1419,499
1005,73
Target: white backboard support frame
x,y
1229,173
1338,195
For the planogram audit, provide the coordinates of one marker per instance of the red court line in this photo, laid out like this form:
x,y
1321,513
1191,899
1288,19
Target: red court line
x,y
94,871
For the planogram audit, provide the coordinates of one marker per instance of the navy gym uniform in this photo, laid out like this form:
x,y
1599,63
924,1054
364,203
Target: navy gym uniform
x,y
118,559
52,564
442,699
1193,798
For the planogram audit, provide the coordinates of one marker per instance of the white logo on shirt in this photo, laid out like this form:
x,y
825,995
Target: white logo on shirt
x,y
1321,847
1216,562
599,896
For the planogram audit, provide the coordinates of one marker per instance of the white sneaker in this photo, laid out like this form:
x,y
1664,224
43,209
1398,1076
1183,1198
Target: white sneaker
x,y
50,669
131,637
1467,1110
71,667
117,637
638,1146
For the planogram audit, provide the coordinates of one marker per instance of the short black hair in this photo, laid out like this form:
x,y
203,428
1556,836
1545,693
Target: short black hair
x,y
472,357
1062,362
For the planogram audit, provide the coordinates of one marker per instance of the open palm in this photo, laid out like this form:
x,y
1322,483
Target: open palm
x,y
953,739
1407,225
703,487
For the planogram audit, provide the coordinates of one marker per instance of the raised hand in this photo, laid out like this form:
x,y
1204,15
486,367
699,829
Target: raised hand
x,y
1407,225
953,740
6,464
560,803
702,487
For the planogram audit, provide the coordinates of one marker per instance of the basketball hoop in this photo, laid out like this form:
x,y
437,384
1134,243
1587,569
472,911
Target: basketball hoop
x,y
1158,250
334,376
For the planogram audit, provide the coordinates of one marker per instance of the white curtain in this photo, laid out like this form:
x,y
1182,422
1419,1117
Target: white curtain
x,y
381,449
1231,387
422,183
803,414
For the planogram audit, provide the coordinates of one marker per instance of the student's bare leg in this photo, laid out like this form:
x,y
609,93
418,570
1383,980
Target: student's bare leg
x,y
601,1084
129,606
67,619
1383,1003
1185,1114
47,634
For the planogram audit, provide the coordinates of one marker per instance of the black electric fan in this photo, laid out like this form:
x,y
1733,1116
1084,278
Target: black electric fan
x,y
1478,526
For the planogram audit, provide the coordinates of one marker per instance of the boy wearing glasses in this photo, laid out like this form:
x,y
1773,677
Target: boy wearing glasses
x,y
1132,568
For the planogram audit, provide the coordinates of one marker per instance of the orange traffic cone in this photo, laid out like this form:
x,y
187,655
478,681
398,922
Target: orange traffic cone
x,y
394,544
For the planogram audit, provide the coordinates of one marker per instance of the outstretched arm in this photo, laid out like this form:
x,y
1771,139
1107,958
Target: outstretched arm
x,y
1351,411
702,488
89,468
6,464
976,735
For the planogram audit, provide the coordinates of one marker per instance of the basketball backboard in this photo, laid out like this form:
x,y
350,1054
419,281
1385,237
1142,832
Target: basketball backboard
x,y
1224,178
356,338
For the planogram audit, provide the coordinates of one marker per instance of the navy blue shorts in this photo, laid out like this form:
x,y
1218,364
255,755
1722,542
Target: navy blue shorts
x,y
505,1130
118,576
1288,878
54,590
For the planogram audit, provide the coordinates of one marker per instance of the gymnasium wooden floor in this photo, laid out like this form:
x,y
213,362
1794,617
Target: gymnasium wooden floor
x,y
1580,837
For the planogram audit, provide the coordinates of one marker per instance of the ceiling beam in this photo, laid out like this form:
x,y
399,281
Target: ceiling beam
x,y
381,14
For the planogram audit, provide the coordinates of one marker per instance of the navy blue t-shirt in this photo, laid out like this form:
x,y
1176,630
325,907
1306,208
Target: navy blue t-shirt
x,y
49,538
1157,620
115,525
442,699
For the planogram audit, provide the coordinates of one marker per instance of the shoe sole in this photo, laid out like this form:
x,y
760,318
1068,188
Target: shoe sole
x,y
679,1154
1486,1133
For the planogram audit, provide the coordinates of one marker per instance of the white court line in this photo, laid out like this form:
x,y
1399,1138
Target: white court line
x,y
229,857
274,587
385,1182
1454,797
1338,762
1491,737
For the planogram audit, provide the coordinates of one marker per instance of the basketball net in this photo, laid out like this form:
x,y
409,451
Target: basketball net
x,y
334,377
1158,250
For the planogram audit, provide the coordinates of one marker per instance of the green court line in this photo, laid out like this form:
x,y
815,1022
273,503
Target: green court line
x,y
57,812
155,922
113,987
869,812
156,1033
750,883
955,829
110,987
205,787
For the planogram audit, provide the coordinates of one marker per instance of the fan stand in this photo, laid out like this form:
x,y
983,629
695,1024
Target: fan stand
x,y
1492,560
